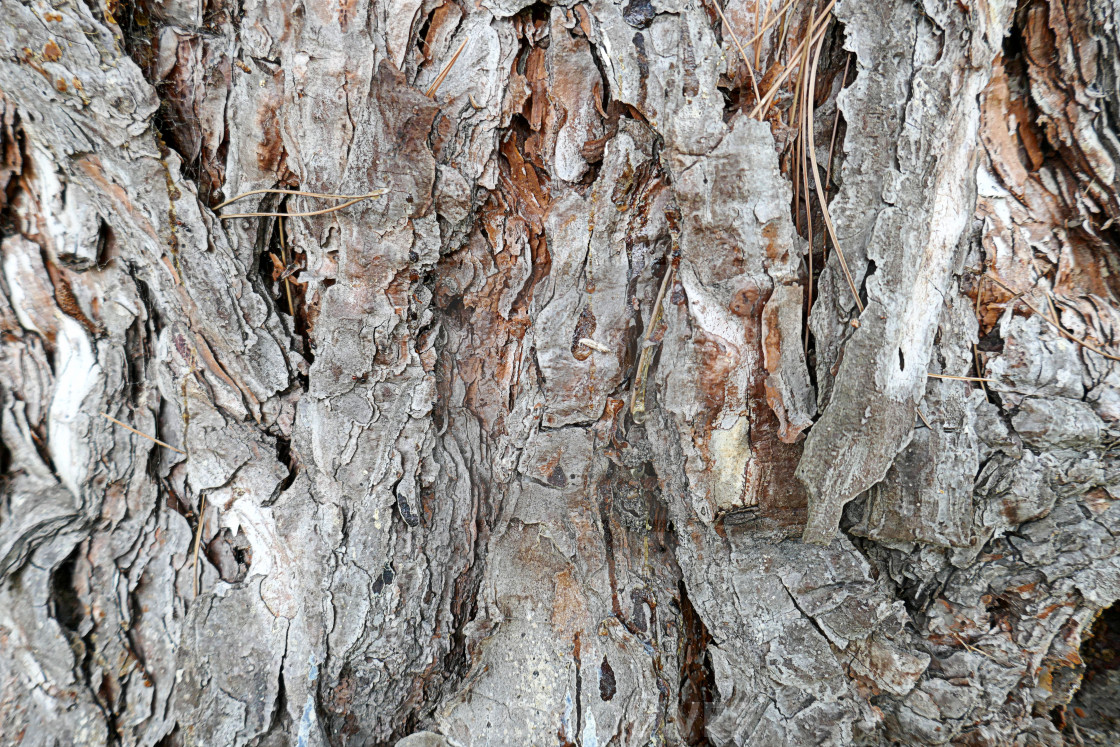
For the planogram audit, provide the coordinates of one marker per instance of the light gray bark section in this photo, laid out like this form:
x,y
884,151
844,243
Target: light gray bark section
x,y
904,211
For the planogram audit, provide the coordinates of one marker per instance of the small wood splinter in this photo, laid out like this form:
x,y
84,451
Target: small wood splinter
x,y
638,395
923,418
198,542
957,378
594,344
288,269
447,69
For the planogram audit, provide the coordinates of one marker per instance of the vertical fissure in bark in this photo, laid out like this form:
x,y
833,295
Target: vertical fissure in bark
x,y
66,606
13,162
1095,706
201,68
605,495
72,615
697,681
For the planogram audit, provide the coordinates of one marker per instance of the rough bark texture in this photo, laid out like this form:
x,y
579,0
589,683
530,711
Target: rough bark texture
x,y
542,446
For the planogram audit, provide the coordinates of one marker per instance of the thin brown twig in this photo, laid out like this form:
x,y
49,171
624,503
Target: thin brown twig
x,y
975,350
638,395
284,259
1014,297
799,155
1056,325
785,31
198,542
446,69
806,123
980,651
923,418
980,369
742,54
769,21
764,17
1053,310
798,174
324,211
979,292
817,172
1057,322
798,95
139,433
814,35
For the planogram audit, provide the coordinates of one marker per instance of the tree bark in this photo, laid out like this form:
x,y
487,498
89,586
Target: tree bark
x,y
595,427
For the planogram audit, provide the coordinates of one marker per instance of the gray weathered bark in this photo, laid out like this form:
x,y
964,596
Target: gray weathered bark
x,y
545,444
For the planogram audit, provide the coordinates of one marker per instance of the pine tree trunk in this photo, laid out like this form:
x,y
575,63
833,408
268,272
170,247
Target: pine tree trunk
x,y
594,427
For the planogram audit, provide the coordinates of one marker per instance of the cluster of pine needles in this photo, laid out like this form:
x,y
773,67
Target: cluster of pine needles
x,y
803,64
804,60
